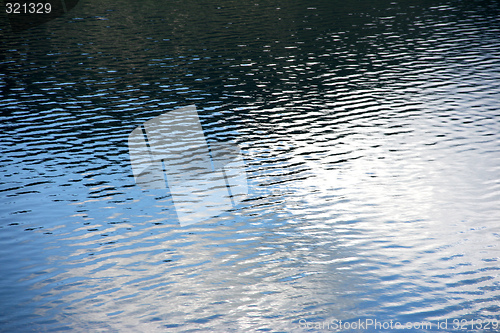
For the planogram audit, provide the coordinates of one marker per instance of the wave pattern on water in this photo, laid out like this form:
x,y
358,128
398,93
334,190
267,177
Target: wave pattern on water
x,y
373,156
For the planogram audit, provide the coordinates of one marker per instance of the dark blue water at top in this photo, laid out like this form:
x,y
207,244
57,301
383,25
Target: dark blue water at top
x,y
370,132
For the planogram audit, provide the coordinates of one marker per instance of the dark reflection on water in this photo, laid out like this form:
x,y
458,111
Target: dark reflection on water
x,y
371,137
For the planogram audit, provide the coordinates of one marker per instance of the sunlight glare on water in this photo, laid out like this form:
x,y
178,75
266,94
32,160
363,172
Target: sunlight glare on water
x,y
370,135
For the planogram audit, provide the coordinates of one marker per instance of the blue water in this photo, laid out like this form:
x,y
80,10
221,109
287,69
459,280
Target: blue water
x,y
371,138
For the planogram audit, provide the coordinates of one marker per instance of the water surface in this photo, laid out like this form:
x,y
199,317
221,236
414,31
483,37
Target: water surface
x,y
371,136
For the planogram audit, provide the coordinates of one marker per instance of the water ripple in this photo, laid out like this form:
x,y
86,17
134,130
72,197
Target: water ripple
x,y
372,150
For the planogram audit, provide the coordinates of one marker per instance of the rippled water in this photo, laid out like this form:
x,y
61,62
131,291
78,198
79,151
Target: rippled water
x,y
371,137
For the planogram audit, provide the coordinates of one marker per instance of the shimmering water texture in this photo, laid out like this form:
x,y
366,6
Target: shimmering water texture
x,y
369,132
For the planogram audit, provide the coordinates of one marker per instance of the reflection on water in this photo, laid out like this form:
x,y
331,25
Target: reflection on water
x,y
370,136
